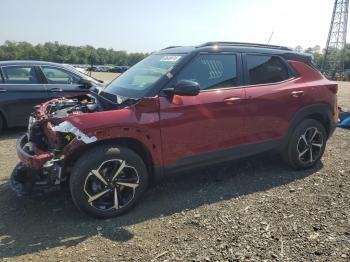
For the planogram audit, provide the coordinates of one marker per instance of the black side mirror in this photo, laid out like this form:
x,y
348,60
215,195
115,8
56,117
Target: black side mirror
x,y
85,83
184,88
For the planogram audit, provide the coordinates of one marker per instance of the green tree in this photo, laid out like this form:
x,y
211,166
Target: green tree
x,y
298,49
347,57
316,53
56,52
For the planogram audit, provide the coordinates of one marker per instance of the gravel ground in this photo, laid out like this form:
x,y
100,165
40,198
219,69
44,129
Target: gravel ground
x,y
253,209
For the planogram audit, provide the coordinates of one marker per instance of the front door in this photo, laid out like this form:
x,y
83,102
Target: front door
x,y
61,82
199,128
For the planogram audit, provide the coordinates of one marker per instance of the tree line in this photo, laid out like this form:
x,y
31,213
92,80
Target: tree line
x,y
60,53
318,54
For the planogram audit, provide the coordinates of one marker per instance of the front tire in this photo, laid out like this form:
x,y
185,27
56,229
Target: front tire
x,y
306,144
108,181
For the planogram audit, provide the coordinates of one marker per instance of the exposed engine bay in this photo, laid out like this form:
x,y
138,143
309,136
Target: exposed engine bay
x,y
48,129
52,136
95,102
68,106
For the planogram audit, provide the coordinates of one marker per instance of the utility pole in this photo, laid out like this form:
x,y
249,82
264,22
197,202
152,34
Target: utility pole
x,y
91,62
333,61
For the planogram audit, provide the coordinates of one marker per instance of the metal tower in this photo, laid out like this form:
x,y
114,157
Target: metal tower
x,y
333,62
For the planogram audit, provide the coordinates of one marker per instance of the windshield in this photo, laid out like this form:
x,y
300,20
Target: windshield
x,y
139,79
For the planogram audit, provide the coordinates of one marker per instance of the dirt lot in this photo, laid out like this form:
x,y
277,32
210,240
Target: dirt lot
x,y
105,76
254,209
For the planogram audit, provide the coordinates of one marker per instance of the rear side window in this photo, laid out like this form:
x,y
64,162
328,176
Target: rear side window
x,y
19,75
211,71
59,76
266,69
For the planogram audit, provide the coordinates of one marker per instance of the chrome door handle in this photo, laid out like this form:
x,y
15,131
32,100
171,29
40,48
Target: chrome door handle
x,y
56,90
297,94
2,90
231,100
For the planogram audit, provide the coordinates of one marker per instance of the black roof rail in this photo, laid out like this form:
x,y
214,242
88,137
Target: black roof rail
x,y
171,47
243,45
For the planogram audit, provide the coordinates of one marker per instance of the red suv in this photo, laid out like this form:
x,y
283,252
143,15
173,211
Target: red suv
x,y
180,108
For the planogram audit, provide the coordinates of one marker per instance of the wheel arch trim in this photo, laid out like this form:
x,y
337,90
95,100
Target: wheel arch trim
x,y
134,144
321,112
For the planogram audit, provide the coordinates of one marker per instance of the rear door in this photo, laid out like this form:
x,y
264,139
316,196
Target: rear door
x,y
20,91
197,129
61,82
270,97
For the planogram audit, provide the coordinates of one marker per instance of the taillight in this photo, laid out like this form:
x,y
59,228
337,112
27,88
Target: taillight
x,y
333,88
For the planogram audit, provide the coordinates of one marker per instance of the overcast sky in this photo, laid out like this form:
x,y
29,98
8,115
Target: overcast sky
x,y
149,25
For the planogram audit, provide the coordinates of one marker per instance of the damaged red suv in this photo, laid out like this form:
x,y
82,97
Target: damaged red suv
x,y
180,108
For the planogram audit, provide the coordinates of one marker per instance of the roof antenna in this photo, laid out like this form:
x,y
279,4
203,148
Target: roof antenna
x,y
268,42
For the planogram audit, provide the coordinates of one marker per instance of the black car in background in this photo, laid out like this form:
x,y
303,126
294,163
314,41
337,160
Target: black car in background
x,y
24,84
99,68
119,69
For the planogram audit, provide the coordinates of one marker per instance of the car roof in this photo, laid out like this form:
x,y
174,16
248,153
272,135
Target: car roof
x,y
177,50
240,48
29,62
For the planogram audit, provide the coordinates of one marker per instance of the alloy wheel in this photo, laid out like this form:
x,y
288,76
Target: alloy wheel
x,y
309,147
112,185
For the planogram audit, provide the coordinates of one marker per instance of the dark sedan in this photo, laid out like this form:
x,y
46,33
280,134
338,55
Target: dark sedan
x,y
118,69
24,84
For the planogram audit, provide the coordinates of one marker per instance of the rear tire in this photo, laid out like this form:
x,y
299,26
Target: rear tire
x,y
108,181
306,145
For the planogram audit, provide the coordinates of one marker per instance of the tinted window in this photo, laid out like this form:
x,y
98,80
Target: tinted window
x,y
59,76
19,75
211,71
266,69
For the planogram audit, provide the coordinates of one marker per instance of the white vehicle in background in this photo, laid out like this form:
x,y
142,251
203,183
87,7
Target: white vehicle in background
x,y
81,70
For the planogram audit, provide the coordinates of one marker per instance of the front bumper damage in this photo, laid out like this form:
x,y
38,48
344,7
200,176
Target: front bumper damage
x,y
39,171
28,157
42,170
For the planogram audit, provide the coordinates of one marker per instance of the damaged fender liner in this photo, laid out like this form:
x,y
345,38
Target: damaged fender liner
x,y
67,127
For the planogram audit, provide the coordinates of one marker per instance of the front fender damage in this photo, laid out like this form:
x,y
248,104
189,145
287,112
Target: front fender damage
x,y
32,174
67,127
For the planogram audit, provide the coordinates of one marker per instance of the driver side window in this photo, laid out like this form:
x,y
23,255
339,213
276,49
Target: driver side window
x,y
211,71
59,76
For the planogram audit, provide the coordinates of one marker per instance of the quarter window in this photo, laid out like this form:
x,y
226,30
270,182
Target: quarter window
x,y
266,69
59,76
211,71
19,75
